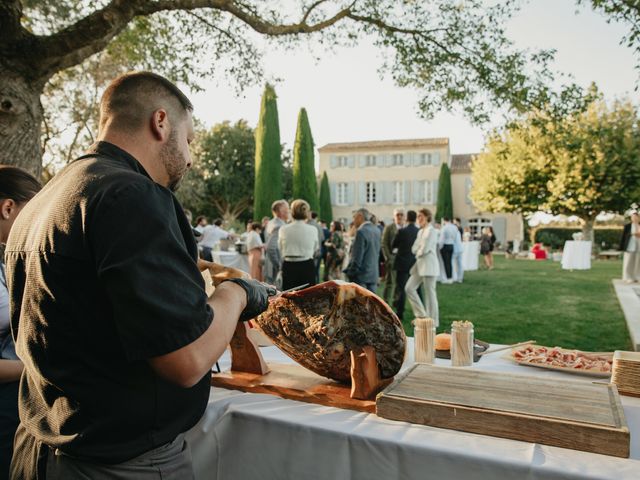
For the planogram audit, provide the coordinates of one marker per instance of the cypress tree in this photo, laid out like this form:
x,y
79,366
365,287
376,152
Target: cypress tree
x,y
326,212
304,172
445,201
268,179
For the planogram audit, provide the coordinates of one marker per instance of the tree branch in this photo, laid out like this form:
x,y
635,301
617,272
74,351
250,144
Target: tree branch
x,y
10,14
89,35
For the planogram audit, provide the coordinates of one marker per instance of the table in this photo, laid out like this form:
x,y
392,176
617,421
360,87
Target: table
x,y
232,259
576,255
252,436
470,252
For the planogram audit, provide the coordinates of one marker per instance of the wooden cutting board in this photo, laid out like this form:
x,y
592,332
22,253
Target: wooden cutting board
x,y
563,413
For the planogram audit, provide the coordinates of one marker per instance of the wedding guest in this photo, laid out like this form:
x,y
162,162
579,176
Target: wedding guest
x,y
298,243
404,259
363,267
466,235
425,271
456,260
264,223
201,222
335,252
255,247
313,221
388,235
211,236
17,187
486,247
446,242
272,257
630,245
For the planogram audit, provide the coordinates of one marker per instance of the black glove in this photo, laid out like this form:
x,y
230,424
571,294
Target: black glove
x,y
258,294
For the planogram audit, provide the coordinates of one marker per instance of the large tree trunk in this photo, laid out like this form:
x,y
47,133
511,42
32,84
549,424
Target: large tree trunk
x,y
587,231
20,122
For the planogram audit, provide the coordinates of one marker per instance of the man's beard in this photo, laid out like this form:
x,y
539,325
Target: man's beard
x,y
174,162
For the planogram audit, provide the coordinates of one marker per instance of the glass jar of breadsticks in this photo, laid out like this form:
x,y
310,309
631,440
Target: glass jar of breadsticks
x,y
424,334
462,344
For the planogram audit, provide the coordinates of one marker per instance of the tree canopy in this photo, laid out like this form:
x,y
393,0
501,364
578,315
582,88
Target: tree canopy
x,y
454,55
326,210
221,179
582,165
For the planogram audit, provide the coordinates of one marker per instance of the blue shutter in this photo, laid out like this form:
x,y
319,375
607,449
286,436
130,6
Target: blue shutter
x,y
351,195
417,192
381,193
407,160
333,193
434,189
467,190
362,194
361,161
351,161
435,158
407,196
333,161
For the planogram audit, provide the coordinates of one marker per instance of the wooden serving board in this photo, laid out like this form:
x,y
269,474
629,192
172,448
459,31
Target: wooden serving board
x,y
295,383
568,413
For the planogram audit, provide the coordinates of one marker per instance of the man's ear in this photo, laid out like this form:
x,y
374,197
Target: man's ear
x,y
160,125
6,207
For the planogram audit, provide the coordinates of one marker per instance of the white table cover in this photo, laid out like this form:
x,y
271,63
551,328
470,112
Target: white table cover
x,y
232,259
253,436
470,252
576,255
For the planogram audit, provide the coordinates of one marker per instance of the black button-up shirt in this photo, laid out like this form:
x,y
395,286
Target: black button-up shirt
x,y
102,274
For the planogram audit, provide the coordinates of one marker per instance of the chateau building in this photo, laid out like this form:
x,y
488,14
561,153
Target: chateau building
x,y
384,175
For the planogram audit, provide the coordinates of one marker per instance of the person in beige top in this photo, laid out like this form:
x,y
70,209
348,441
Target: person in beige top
x,y
426,269
630,245
298,243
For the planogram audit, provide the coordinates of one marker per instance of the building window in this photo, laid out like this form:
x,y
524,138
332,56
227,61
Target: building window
x,y
396,159
425,159
467,190
343,161
427,188
370,160
398,193
476,225
341,193
371,192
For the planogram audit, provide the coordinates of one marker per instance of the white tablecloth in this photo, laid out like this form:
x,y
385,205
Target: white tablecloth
x,y
576,255
470,252
232,259
253,436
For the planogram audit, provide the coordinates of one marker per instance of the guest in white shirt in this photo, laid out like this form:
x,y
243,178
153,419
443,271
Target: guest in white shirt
x,y
201,222
298,243
211,236
426,269
447,242
255,247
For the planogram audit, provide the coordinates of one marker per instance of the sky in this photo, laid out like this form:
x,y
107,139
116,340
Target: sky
x,y
346,100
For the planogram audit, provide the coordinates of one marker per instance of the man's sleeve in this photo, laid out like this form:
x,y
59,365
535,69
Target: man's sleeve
x,y
357,256
153,284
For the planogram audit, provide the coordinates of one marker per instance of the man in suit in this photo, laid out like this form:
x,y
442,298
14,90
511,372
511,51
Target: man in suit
x,y
363,266
272,257
404,260
388,235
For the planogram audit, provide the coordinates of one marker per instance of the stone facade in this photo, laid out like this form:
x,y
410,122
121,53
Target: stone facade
x,y
384,175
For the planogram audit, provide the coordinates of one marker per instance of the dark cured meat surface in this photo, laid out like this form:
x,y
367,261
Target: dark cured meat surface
x,y
318,327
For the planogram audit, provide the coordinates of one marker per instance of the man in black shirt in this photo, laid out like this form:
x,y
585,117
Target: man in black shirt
x,y
108,306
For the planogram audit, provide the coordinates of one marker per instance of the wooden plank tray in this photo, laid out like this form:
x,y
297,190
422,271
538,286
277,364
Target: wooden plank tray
x,y
568,413
295,383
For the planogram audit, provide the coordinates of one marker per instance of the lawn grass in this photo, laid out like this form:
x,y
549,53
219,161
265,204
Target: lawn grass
x,y
522,299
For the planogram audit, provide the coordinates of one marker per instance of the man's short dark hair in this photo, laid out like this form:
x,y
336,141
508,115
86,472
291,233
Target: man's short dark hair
x,y
217,222
457,219
446,219
130,99
314,215
411,216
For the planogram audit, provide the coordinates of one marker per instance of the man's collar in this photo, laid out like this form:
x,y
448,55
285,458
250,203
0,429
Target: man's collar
x,y
365,223
110,150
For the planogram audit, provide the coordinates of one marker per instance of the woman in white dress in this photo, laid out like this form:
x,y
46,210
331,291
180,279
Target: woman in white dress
x,y
426,269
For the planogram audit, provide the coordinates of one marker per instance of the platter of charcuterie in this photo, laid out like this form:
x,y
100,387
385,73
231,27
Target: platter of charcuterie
x,y
597,364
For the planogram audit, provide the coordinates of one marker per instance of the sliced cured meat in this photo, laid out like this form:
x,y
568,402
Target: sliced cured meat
x,y
319,326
